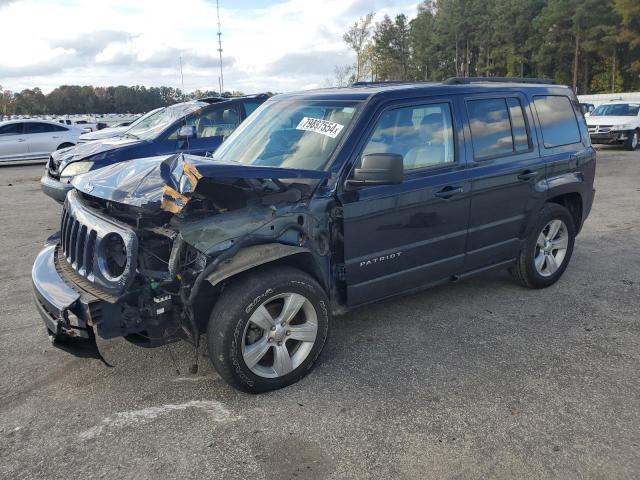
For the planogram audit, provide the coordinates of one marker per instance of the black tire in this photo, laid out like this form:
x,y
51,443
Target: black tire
x,y
230,316
524,270
64,145
633,141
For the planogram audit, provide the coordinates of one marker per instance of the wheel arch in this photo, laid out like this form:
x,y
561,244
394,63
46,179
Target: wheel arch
x,y
572,201
256,257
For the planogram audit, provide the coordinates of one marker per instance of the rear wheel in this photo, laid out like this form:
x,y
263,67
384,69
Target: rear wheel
x,y
267,328
547,250
632,142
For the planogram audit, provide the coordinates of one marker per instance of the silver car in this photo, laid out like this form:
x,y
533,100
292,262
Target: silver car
x,y
22,140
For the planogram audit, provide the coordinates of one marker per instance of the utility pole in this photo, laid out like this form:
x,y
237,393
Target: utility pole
x,y
221,79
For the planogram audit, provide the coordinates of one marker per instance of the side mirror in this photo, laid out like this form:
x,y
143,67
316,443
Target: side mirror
x,y
378,169
187,132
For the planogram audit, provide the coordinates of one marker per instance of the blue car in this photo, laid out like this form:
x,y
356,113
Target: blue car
x,y
197,127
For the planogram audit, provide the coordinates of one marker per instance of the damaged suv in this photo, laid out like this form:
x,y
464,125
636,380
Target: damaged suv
x,y
320,202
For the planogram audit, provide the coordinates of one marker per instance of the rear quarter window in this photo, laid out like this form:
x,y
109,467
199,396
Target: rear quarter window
x,y
557,119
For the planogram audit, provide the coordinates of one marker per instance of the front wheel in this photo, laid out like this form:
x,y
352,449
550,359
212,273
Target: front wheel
x,y
547,249
632,142
268,328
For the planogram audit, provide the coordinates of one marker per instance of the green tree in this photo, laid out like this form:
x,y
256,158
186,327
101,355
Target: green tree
x,y
357,37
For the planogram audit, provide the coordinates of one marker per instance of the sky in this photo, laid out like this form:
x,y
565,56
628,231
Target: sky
x,y
279,45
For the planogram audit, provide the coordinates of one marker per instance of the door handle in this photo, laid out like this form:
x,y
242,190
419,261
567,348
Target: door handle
x,y
527,175
22,139
56,136
448,192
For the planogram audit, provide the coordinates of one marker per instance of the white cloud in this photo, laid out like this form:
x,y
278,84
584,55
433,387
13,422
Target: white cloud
x,y
278,46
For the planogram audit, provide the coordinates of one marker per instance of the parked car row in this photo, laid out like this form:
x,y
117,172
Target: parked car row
x,y
319,202
197,127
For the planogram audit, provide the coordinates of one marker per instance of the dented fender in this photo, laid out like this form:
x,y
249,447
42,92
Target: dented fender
x,y
250,257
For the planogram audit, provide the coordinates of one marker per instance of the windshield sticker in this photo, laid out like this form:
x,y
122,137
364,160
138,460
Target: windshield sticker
x,y
325,127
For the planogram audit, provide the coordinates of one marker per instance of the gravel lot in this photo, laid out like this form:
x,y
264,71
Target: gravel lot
x,y
475,380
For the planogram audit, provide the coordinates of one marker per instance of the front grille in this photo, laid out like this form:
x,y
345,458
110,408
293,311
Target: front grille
x,y
600,128
84,235
78,244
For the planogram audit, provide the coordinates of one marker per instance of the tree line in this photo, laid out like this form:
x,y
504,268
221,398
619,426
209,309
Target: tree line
x,y
74,99
592,45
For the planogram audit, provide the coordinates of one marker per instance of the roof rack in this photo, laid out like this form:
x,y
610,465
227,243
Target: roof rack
x,y
222,98
381,82
468,80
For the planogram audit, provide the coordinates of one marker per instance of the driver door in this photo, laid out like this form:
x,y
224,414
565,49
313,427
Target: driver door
x,y
401,237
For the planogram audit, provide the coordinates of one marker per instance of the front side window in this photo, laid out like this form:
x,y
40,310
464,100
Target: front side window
x,y
249,107
294,133
558,121
154,125
11,129
423,135
220,122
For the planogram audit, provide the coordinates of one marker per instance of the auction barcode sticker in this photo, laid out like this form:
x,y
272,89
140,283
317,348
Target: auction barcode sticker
x,y
325,127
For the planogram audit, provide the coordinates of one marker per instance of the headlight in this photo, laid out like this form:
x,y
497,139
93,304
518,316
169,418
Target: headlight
x,y
113,258
76,168
626,126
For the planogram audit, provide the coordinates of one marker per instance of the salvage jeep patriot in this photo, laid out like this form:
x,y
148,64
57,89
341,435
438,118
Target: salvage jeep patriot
x,y
320,202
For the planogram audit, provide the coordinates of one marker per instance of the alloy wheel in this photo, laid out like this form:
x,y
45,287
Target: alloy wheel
x,y
551,247
279,335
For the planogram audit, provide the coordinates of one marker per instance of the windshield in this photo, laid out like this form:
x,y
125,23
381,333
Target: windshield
x,y
617,110
143,120
150,127
290,134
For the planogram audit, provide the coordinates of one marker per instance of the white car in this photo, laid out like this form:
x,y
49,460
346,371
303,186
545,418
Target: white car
x,y
615,123
22,140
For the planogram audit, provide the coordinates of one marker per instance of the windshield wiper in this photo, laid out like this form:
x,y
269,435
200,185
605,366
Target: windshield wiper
x,y
131,135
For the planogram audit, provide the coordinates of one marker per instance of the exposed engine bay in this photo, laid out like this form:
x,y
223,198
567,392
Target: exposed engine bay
x,y
148,242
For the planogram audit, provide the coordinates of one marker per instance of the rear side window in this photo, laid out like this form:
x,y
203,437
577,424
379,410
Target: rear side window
x,y
35,127
497,127
558,121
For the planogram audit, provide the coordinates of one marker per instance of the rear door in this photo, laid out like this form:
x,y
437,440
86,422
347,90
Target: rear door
x,y
399,237
505,170
13,142
564,140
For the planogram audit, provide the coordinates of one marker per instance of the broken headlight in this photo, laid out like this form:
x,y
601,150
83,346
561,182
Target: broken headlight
x,y
113,257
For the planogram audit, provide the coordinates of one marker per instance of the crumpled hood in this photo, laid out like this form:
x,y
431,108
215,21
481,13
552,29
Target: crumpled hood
x,y
610,120
110,132
167,181
82,151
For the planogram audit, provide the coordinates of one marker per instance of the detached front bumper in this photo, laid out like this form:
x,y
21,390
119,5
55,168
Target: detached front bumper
x,y
55,188
611,138
68,309
62,308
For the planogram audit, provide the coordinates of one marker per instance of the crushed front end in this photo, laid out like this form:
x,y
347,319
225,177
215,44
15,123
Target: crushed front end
x,y
137,241
97,277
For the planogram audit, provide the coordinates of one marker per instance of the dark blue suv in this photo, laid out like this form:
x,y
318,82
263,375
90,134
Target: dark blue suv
x,y
320,202
197,127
